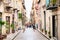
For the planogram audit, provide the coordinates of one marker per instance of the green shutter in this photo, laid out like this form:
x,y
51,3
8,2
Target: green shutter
x,y
54,1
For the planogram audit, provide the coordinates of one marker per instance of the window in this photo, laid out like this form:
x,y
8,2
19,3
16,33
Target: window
x,y
47,2
8,19
51,2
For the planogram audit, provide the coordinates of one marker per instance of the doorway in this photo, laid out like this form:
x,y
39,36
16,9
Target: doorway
x,y
8,24
54,26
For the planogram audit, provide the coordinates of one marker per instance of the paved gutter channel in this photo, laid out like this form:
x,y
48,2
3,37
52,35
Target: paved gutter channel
x,y
43,35
16,35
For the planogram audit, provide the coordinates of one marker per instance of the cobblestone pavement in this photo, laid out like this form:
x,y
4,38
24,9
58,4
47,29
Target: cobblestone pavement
x,y
29,34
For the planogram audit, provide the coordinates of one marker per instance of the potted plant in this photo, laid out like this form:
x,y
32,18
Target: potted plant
x,y
1,23
12,26
42,30
49,34
45,31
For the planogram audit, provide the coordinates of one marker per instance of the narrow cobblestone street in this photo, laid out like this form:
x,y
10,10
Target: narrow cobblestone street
x,y
29,34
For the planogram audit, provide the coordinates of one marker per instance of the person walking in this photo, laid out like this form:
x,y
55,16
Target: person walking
x,y
34,27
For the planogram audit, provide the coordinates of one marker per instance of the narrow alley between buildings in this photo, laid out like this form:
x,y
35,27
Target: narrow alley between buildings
x,y
29,19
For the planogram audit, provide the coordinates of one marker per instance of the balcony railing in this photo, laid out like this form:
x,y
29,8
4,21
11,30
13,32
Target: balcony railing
x,y
51,4
7,9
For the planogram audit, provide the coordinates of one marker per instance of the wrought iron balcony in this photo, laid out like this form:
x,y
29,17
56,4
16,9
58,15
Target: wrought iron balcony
x,y
52,7
14,9
7,9
51,4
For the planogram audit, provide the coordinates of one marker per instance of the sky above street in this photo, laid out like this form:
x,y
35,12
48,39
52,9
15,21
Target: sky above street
x,y
28,5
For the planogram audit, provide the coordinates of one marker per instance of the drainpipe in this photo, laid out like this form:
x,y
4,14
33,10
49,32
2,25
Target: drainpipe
x,y
44,20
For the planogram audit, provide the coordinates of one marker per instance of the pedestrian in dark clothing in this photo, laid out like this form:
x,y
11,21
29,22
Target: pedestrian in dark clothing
x,y
34,27
29,26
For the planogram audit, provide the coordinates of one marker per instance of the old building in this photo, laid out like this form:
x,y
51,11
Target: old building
x,y
50,18
9,14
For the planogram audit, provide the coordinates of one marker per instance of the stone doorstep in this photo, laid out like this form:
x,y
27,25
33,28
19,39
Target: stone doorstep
x,y
12,35
46,36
